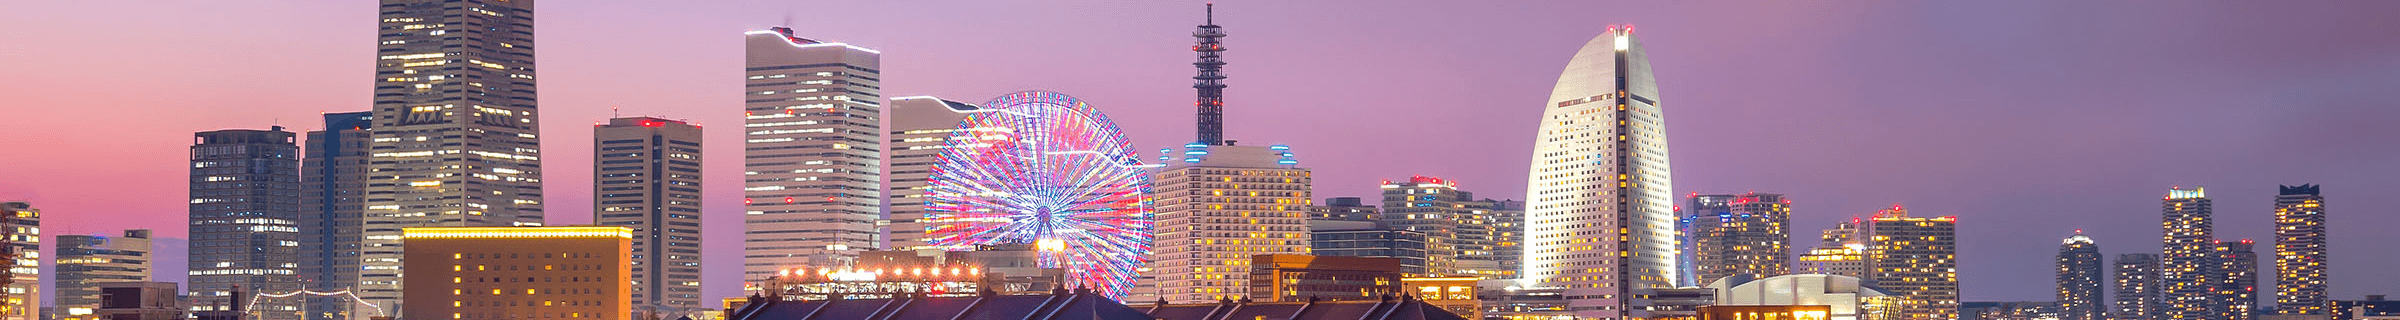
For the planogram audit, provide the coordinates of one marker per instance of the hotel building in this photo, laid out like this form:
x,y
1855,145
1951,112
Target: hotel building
x,y
812,148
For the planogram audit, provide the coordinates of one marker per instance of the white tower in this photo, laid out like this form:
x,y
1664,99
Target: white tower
x,y
1601,218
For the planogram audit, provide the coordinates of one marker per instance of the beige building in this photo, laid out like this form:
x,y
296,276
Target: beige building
x,y
813,152
646,176
921,128
1915,258
579,272
1217,207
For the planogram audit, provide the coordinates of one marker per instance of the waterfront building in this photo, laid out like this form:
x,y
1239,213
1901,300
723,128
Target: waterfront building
x,y
1290,278
1599,171
812,151
577,272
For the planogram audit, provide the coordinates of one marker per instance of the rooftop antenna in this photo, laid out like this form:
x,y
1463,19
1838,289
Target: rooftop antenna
x,y
612,111
1212,13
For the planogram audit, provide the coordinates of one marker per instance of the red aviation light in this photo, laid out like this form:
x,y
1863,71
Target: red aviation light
x,y
788,200
746,201
648,123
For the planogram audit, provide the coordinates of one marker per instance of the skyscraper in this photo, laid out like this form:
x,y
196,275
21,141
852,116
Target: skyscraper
x,y
2236,273
921,128
646,174
2300,250
21,245
1917,258
2080,274
1600,172
333,186
812,152
456,141
1457,227
1737,234
2188,286
2139,296
1837,253
85,261
1219,205
245,211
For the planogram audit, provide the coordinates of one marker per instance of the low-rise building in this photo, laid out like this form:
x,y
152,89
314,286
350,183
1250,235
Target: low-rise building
x,y
145,300
1283,277
468,273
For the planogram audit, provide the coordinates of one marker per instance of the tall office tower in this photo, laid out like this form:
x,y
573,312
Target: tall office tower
x,y
456,139
2138,291
1837,253
1344,209
1737,234
2300,250
1916,258
812,153
333,197
21,244
85,261
1219,205
2188,286
1508,237
2079,279
2236,272
583,272
921,128
1601,222
1457,226
647,178
245,212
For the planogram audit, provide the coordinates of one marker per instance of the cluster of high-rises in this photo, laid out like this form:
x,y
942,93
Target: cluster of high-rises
x,y
2199,276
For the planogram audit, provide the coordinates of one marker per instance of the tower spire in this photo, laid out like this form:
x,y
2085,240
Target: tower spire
x,y
1210,81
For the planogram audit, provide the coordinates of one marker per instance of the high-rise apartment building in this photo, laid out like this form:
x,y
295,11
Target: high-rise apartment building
x,y
1508,237
1917,258
646,177
2188,287
578,272
1730,234
333,204
1344,209
245,212
1459,228
812,187
1217,207
1839,252
2080,278
1601,222
456,139
921,129
21,245
2236,273
83,262
2139,295
2300,250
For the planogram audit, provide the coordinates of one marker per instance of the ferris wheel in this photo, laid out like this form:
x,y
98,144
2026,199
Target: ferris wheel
x,y
1044,168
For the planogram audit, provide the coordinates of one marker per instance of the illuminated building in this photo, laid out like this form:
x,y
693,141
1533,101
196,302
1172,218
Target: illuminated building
x,y
1064,304
2188,288
1838,253
2237,280
1504,299
1916,258
21,244
143,300
646,177
1404,307
578,272
1847,298
1736,234
245,210
1288,277
1508,237
1599,172
812,152
921,128
456,140
2138,289
1219,205
2080,275
2374,307
1459,295
1459,230
1007,270
2008,310
1787,312
2300,250
1329,238
86,261
1343,209
333,204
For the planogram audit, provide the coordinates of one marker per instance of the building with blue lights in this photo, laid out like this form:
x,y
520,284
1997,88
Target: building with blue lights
x,y
1217,206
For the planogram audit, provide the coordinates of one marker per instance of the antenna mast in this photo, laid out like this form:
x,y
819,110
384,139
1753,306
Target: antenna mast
x,y
1211,81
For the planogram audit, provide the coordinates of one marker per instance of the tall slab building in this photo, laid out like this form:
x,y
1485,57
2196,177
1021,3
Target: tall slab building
x,y
333,186
1601,222
2236,273
812,152
2300,250
921,128
21,246
456,141
1914,257
646,177
2138,292
2186,261
245,211
1734,234
2080,277
1460,231
83,262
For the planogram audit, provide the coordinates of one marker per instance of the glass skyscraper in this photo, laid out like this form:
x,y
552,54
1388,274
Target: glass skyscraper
x,y
245,210
333,177
812,150
1600,219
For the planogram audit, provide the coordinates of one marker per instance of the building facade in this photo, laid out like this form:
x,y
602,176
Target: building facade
x,y
2237,280
1600,171
2080,278
2300,250
1730,234
1508,238
1459,295
646,174
1838,252
21,246
1344,209
1916,258
1459,229
333,186
1217,207
1846,297
581,272
456,139
812,154
1291,277
245,211
2188,288
921,129
2139,294
83,262
1334,238
145,300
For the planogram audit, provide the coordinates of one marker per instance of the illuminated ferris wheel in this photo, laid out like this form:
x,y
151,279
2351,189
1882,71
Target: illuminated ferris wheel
x,y
1044,168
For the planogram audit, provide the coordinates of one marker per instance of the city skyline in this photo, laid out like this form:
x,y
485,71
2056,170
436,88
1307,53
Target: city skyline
x,y
1269,52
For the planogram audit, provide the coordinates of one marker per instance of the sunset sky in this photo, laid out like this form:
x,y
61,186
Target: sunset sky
x,y
2026,119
